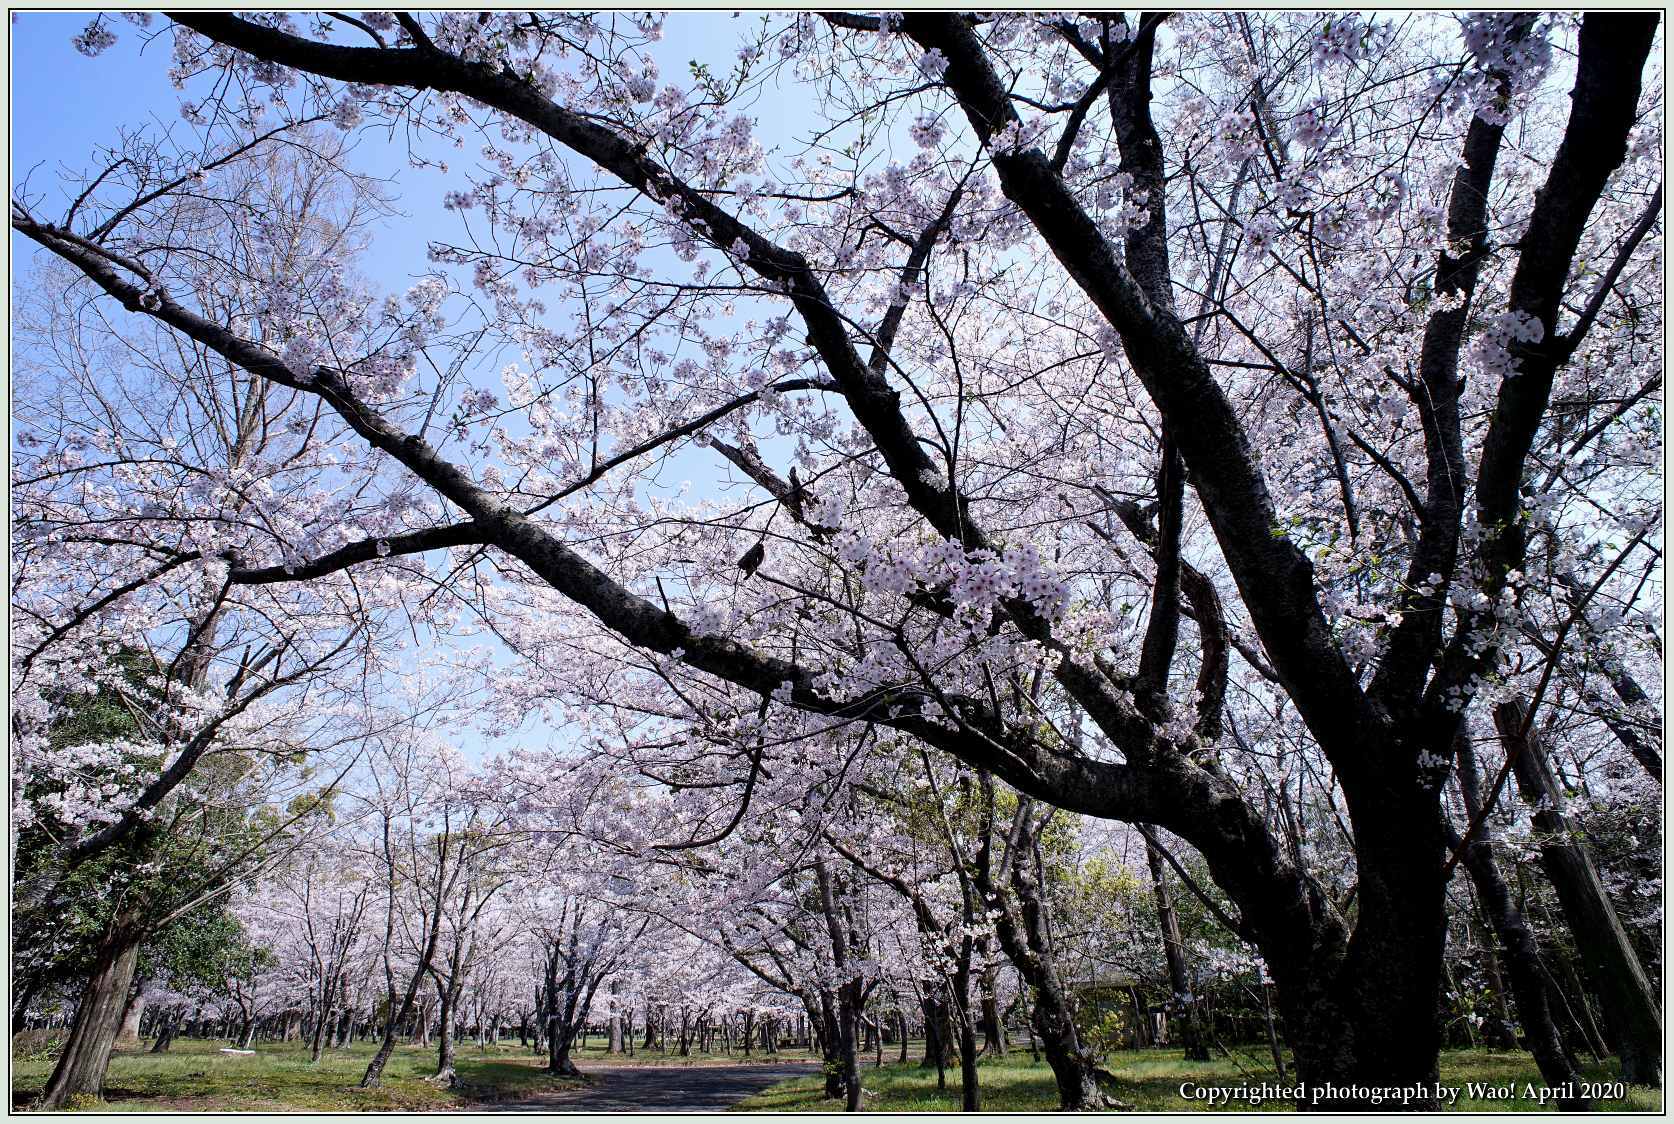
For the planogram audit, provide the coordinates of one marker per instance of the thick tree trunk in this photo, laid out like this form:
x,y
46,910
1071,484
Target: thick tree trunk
x,y
346,1020
1631,1013
82,1065
1365,1015
616,1030
831,1046
558,1060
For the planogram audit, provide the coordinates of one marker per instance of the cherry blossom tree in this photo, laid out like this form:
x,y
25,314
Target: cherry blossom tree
x,y
1065,360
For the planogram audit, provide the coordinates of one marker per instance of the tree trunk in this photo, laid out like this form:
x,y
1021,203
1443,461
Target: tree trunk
x,y
1500,1030
1629,1004
831,1048
1272,1033
445,1074
937,1047
129,1035
1529,980
840,928
1571,995
346,1021
82,1065
1025,937
322,1022
993,1031
166,1029
848,1014
616,1031
375,1068
1363,1012
970,1086
1185,1006
558,1058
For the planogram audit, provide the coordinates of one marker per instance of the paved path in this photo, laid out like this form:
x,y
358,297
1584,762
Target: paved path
x,y
660,1088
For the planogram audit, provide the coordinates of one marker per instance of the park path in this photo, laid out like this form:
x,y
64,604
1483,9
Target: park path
x,y
661,1088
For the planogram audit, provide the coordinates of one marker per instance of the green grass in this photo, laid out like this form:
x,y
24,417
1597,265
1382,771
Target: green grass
x,y
195,1076
1150,1080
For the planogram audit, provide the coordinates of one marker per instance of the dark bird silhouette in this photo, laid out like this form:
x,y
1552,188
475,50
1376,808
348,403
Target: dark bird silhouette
x,y
753,558
793,498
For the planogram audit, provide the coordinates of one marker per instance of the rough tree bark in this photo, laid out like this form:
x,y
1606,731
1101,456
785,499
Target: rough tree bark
x,y
80,1071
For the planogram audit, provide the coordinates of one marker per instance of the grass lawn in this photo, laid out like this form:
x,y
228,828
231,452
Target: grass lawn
x,y
1150,1080
194,1076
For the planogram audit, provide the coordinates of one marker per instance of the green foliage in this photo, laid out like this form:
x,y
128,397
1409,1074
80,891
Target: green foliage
x,y
1102,1028
192,843
205,947
60,914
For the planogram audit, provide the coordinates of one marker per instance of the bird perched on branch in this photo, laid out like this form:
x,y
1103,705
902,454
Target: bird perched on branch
x,y
753,558
793,498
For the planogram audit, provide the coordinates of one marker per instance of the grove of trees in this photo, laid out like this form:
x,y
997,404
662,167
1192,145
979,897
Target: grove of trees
x,y
960,517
